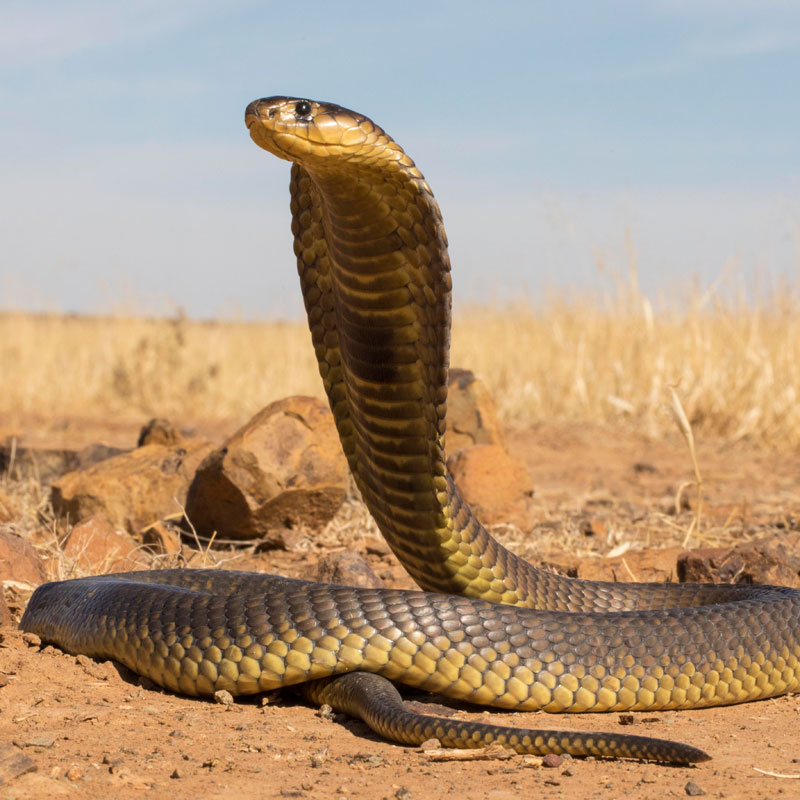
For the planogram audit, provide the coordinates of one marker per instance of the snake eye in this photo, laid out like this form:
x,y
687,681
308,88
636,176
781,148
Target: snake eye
x,y
302,108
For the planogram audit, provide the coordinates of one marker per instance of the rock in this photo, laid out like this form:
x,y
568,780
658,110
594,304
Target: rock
x,y
131,490
74,773
19,561
8,511
161,539
45,741
376,547
34,786
693,790
471,413
13,763
497,486
94,546
644,467
283,539
593,527
159,431
660,566
347,568
45,465
774,560
97,452
561,563
430,744
223,697
284,469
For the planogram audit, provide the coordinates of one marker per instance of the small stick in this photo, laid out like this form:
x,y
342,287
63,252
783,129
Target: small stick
x,y
777,774
494,752
686,430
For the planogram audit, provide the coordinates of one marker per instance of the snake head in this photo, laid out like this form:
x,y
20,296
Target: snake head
x,y
312,133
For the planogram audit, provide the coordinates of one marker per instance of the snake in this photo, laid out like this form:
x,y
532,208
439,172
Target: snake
x,y
485,627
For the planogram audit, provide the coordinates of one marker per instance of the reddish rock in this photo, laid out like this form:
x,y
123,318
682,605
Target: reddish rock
x,y
284,469
19,561
131,490
161,539
349,569
471,413
497,486
774,560
594,527
94,546
159,431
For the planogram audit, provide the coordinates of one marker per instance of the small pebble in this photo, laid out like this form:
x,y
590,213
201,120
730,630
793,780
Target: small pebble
x,y
552,760
626,719
40,741
692,789
74,773
223,697
431,744
176,773
32,640
403,794
325,712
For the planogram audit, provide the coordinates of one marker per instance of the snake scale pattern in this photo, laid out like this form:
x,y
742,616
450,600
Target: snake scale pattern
x,y
489,628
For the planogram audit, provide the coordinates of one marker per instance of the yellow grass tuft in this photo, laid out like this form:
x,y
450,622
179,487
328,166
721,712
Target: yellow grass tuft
x,y
735,366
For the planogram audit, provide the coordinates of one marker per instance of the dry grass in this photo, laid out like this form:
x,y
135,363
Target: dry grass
x,y
735,366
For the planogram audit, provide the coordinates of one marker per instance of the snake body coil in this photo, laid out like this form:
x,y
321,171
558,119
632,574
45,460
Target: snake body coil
x,y
374,270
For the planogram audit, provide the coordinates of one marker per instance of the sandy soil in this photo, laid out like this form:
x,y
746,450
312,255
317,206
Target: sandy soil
x,y
90,729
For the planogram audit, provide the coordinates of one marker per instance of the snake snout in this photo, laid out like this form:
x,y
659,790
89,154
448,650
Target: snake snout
x,y
259,110
252,113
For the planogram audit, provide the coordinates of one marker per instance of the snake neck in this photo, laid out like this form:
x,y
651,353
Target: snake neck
x,y
375,275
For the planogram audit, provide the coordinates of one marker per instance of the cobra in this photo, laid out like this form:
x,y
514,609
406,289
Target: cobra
x,y
487,627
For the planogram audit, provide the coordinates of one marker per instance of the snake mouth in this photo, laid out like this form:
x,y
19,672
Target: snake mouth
x,y
252,114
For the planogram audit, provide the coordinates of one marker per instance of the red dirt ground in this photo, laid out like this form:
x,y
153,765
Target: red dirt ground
x,y
90,730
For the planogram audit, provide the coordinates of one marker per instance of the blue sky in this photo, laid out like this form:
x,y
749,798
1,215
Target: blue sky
x,y
549,132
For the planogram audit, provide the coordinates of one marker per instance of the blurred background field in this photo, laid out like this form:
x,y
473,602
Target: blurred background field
x,y
734,362
553,135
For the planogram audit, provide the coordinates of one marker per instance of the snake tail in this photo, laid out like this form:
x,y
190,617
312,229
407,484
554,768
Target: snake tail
x,y
377,702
